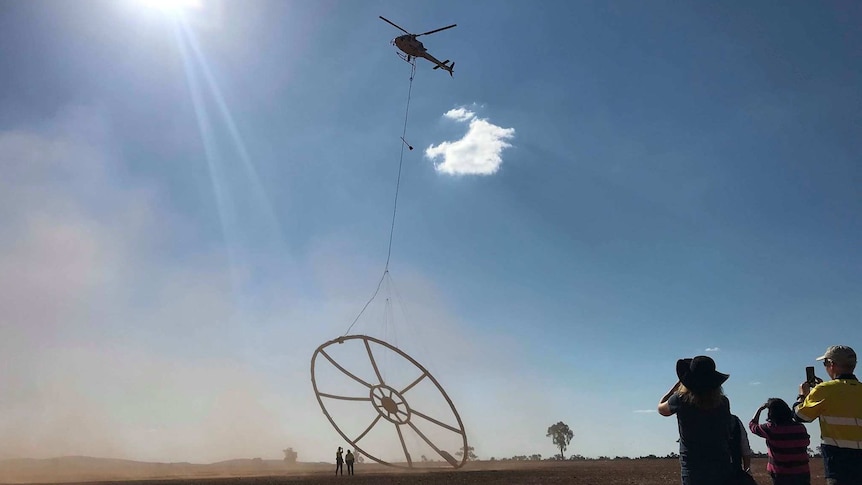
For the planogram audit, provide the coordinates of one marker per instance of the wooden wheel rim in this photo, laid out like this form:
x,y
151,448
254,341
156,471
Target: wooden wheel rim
x,y
388,410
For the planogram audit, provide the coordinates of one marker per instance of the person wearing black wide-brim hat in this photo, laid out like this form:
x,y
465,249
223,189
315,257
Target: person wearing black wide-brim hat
x,y
703,416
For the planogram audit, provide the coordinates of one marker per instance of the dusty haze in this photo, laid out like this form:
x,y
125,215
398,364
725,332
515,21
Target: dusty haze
x,y
124,336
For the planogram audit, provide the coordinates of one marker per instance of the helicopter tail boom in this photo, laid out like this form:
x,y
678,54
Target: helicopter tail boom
x,y
446,67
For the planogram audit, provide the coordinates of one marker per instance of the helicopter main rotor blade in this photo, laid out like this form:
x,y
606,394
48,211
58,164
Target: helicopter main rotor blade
x,y
437,30
394,25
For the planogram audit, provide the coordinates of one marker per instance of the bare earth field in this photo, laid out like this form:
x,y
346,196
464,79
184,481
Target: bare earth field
x,y
615,472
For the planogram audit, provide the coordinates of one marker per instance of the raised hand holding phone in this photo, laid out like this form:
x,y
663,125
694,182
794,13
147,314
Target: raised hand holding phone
x,y
810,378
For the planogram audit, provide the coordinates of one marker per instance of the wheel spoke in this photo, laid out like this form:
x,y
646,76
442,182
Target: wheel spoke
x,y
432,445
438,423
373,362
345,371
368,428
413,383
404,446
344,398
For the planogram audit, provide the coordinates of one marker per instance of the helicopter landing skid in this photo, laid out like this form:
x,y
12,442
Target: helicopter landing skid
x,y
408,59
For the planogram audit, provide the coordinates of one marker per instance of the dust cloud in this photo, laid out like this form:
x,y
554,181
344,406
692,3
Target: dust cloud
x,y
123,332
107,342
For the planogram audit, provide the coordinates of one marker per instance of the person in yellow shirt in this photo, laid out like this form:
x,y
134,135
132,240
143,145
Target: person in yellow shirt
x,y
838,405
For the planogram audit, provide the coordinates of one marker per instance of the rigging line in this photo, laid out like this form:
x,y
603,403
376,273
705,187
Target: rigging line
x,y
400,162
395,203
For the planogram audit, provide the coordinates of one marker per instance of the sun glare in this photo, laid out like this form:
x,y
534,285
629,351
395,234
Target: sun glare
x,y
173,6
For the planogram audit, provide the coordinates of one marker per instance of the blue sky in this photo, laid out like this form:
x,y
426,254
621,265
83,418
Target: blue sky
x,y
186,213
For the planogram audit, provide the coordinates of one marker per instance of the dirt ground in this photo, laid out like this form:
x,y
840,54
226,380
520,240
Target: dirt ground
x,y
619,472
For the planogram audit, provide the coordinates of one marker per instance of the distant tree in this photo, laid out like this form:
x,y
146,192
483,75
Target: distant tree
x,y
470,455
561,435
536,457
290,455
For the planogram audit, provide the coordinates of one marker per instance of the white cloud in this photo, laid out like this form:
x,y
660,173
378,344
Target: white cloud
x,y
645,411
755,383
477,152
712,349
459,114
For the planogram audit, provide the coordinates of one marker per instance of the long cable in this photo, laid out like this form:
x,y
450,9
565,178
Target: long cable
x,y
395,203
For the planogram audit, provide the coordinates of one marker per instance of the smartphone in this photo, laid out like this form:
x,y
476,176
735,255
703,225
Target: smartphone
x,y
809,376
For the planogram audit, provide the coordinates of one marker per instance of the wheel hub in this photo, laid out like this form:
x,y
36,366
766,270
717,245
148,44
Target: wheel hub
x,y
390,404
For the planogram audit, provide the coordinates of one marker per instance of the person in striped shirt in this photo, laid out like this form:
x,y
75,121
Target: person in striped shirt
x,y
787,442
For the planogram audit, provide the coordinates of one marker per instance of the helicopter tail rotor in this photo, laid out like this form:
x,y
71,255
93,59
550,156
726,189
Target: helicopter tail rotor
x,y
446,67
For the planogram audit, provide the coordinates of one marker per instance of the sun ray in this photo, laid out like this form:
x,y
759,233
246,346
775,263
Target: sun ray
x,y
259,192
223,204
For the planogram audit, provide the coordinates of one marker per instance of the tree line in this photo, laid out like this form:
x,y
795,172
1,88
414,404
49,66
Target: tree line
x,y
561,435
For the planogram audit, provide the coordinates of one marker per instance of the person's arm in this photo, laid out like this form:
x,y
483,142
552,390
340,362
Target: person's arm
x,y
663,406
804,389
754,424
807,406
744,446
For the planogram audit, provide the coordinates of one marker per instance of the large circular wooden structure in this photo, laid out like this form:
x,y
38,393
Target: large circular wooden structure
x,y
390,404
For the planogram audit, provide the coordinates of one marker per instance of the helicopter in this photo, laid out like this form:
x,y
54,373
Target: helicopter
x,y
412,48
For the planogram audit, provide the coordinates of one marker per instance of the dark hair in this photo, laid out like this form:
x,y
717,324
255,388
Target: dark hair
x,y
778,411
709,399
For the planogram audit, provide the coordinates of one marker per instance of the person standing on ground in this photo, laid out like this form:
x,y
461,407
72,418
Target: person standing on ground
x,y
339,460
703,417
348,458
838,405
787,442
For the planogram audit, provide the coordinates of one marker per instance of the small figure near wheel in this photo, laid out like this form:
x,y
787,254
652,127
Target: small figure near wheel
x,y
339,461
348,458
